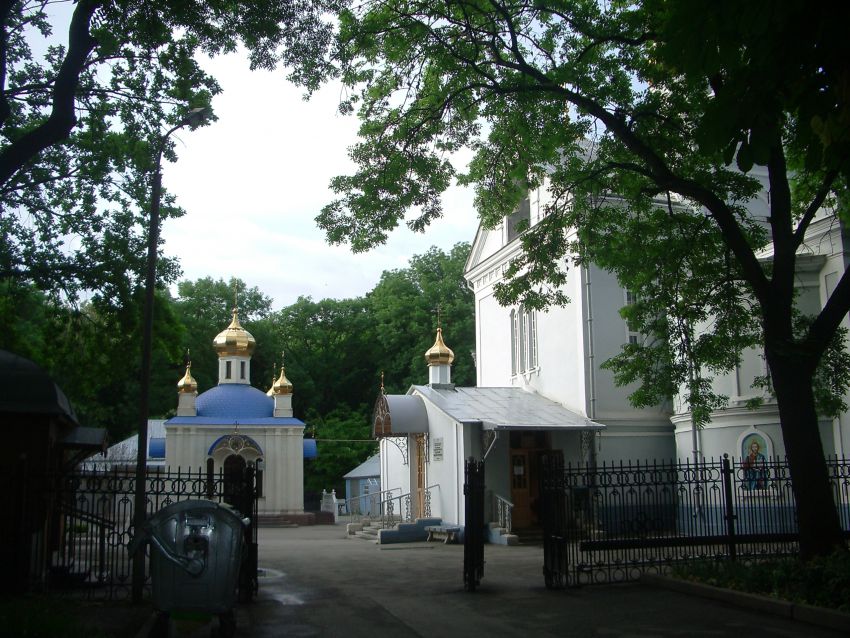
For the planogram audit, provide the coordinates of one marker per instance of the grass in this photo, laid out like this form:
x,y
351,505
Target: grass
x,y
823,582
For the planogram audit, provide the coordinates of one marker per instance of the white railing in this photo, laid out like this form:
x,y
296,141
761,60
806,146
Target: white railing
x,y
399,509
502,512
354,506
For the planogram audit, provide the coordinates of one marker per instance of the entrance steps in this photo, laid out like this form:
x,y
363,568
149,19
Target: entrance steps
x,y
529,535
500,536
367,529
401,533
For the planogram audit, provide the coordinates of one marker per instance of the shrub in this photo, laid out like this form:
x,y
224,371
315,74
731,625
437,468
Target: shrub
x,y
823,581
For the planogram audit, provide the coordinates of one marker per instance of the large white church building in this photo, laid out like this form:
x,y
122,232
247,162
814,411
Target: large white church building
x,y
541,386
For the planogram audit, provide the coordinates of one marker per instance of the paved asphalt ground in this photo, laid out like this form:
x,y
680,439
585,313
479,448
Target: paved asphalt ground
x,y
317,582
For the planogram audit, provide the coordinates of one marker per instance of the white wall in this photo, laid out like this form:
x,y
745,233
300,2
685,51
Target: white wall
x,y
282,452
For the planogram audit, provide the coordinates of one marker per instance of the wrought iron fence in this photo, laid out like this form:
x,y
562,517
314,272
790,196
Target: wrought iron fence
x,y
628,519
72,530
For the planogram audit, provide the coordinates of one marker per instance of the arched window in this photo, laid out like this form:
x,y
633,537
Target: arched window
x,y
524,355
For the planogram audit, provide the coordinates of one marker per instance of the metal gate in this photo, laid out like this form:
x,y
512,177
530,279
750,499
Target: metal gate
x,y
72,530
473,534
553,516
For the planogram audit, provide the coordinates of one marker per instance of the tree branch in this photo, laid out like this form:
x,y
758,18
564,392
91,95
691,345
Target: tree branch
x,y
62,118
824,326
5,12
813,207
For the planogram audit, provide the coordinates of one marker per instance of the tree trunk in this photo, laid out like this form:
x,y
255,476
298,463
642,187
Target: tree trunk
x,y
820,528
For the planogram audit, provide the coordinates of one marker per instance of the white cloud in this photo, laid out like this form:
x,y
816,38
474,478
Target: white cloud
x,y
253,182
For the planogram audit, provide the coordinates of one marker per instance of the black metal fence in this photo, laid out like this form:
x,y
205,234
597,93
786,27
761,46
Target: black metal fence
x,y
70,532
628,519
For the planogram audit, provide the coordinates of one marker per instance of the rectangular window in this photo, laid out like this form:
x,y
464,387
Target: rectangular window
x,y
632,336
513,343
532,339
521,214
242,369
227,370
524,354
523,340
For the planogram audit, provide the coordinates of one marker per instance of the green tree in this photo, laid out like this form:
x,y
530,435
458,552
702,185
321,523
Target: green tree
x,y
92,352
343,442
617,105
405,307
80,112
330,353
205,308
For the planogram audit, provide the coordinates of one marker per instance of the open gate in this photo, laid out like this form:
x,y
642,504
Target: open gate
x,y
473,534
554,519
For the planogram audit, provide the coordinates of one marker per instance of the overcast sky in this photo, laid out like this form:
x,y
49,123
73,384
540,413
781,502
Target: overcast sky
x,y
253,182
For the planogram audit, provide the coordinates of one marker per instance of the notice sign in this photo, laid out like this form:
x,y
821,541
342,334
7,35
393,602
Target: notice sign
x,y
438,449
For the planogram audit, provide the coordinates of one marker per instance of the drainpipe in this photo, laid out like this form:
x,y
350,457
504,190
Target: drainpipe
x,y
457,478
590,358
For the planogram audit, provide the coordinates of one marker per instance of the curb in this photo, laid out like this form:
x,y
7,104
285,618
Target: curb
x,y
828,618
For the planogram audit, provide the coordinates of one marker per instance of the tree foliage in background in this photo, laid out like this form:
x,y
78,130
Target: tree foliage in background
x,y
404,309
616,107
81,109
205,308
335,349
92,351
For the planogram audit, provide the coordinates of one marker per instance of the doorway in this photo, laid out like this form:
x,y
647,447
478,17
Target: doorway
x,y
234,477
525,451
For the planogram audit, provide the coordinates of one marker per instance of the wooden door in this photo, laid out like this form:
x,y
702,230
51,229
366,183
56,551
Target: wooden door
x,y
520,489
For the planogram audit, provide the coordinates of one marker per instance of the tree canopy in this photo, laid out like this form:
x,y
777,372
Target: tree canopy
x,y
82,109
653,125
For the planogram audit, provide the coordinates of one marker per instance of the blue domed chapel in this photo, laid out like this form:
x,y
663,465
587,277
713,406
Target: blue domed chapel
x,y
234,424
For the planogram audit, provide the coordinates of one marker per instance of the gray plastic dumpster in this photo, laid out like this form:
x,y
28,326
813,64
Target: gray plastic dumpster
x,y
197,551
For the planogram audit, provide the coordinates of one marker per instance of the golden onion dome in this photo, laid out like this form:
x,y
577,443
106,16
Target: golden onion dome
x,y
234,340
187,383
282,385
439,353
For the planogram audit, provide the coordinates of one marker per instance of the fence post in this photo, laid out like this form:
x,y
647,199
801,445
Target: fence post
x,y
730,509
473,533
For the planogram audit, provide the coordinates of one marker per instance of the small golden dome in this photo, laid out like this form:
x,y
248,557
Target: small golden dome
x,y
187,384
234,340
282,385
439,353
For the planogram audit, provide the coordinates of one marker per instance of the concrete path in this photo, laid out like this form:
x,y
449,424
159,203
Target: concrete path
x,y
318,582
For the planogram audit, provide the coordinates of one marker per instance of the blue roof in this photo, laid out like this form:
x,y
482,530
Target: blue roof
x,y
367,469
156,448
310,449
234,400
277,421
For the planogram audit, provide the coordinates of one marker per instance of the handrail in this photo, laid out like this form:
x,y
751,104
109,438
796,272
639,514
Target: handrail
x,y
503,510
371,495
405,513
